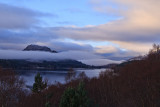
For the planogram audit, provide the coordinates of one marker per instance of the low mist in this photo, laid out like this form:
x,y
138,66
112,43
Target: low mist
x,y
83,56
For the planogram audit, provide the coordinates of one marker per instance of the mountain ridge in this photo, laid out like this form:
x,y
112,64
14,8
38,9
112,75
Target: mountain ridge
x,y
33,47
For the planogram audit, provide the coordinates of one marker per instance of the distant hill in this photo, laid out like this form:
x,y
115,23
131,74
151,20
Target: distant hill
x,y
28,64
42,65
38,48
131,60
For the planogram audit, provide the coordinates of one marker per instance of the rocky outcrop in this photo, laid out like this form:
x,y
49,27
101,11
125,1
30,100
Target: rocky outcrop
x,y
38,48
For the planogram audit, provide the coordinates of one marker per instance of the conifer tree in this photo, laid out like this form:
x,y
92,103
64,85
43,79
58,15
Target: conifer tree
x,y
75,97
39,85
83,100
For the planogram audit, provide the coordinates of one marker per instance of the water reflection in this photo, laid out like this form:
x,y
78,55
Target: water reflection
x,y
54,76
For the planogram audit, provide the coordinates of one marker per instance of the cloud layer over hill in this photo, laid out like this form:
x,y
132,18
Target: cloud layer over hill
x,y
85,57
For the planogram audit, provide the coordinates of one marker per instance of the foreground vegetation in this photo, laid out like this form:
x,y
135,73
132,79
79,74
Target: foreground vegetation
x,y
133,84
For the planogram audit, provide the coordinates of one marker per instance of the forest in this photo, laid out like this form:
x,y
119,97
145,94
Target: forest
x,y
21,64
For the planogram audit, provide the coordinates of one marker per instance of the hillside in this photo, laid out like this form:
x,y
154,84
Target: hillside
x,y
38,48
42,65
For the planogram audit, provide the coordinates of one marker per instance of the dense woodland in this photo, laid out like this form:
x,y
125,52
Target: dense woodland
x,y
42,65
133,84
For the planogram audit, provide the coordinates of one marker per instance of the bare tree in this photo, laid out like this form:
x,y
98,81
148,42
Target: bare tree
x,y
10,88
70,75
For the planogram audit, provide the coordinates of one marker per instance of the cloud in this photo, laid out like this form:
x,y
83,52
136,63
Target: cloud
x,y
24,37
67,46
106,7
41,36
139,47
37,55
82,56
100,62
62,45
126,51
106,49
135,31
13,46
139,25
12,17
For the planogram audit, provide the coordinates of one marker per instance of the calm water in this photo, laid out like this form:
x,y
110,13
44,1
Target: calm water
x,y
55,76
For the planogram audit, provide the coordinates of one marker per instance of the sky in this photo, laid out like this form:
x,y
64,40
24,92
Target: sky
x,y
109,28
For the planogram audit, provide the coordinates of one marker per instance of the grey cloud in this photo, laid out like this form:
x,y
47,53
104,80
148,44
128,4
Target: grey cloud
x,y
34,55
12,17
106,33
121,55
12,46
99,62
26,36
19,40
139,25
65,46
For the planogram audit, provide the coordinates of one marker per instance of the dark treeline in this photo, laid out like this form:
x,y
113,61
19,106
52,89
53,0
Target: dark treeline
x,y
133,84
42,65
